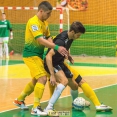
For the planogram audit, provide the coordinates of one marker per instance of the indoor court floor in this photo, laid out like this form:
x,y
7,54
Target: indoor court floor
x,y
99,72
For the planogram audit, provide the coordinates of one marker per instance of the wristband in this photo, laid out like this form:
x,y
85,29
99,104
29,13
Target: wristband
x,y
56,47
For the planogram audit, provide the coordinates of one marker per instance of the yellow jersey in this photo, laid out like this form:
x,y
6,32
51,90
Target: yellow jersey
x,y
35,28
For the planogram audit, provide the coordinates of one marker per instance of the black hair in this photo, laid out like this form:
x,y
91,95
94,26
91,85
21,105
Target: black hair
x,y
77,27
45,5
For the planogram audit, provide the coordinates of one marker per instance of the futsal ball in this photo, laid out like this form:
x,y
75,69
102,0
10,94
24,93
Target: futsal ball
x,y
79,103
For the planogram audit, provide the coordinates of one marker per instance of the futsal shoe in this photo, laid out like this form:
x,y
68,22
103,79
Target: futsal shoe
x,y
20,104
103,107
38,111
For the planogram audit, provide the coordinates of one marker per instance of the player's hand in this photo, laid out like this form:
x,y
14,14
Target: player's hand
x,y
62,51
71,59
53,80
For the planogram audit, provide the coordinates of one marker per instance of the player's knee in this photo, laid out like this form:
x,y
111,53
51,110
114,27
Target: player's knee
x,y
74,87
65,82
42,80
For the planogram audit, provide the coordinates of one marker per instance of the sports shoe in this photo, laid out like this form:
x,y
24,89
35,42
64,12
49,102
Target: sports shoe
x,y
51,111
103,107
38,111
20,104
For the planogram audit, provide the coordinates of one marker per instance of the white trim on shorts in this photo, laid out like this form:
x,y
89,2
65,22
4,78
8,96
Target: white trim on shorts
x,y
4,39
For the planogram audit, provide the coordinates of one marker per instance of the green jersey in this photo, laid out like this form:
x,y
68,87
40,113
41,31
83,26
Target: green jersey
x,y
5,27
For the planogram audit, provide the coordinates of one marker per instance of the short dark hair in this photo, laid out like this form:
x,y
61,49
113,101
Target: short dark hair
x,y
45,5
77,27
4,13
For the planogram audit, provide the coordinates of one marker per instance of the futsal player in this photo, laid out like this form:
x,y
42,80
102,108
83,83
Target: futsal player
x,y
37,35
61,74
5,30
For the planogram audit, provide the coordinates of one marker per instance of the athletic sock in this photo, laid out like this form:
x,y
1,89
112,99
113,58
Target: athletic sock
x,y
57,92
29,88
88,91
38,93
74,94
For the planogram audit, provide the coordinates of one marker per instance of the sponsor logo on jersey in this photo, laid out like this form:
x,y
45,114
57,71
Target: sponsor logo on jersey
x,y
34,28
3,26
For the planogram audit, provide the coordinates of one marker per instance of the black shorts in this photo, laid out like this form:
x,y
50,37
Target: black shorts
x,y
59,67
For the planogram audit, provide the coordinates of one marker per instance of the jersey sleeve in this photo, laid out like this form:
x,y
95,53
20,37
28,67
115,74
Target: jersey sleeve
x,y
38,31
35,29
9,25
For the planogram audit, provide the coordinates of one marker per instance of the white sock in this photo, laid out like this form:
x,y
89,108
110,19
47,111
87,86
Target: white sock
x,y
6,49
57,92
74,94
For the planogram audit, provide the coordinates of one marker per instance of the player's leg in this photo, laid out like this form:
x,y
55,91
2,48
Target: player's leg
x,y
29,88
35,64
38,93
38,72
1,51
6,49
72,83
61,78
88,91
74,91
74,94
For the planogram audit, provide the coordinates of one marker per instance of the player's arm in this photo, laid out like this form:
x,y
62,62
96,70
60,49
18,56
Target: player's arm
x,y
48,44
50,39
10,29
50,66
71,60
38,34
11,33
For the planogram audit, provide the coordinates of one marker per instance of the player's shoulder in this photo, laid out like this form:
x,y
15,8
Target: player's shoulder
x,y
61,37
34,18
64,35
